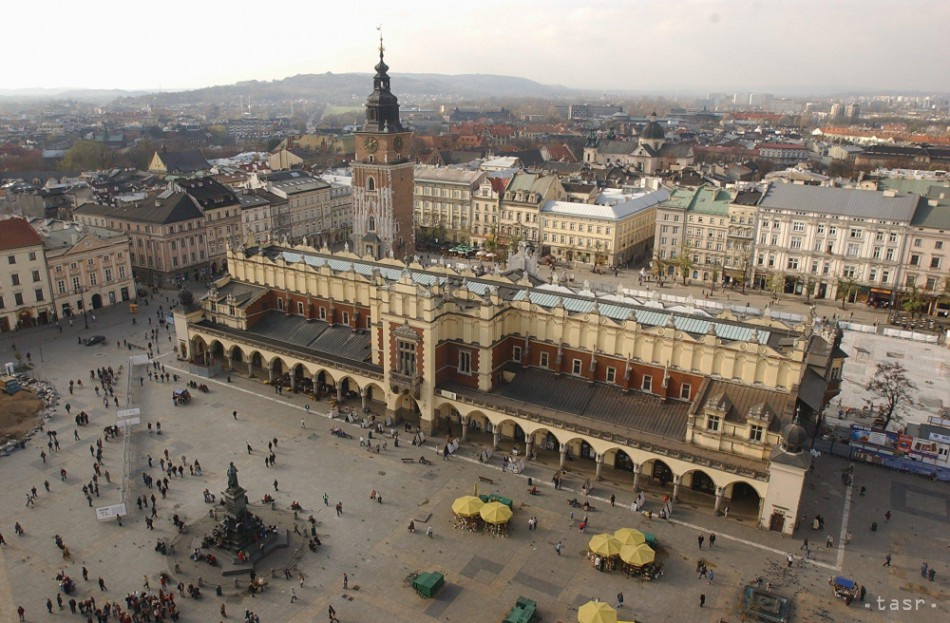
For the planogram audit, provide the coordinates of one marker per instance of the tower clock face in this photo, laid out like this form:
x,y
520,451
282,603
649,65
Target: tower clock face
x,y
371,144
397,143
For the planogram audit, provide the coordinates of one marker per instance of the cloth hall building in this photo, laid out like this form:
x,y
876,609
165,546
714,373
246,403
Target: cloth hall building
x,y
669,400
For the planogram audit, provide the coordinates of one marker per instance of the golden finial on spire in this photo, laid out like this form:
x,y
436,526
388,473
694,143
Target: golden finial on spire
x,y
380,29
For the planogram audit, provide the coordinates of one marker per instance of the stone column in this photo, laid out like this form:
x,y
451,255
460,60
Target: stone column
x,y
528,446
250,368
718,500
270,374
339,392
563,454
364,399
676,488
464,427
316,387
496,439
637,470
599,460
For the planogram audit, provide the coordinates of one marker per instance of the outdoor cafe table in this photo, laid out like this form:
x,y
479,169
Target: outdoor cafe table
x,y
428,583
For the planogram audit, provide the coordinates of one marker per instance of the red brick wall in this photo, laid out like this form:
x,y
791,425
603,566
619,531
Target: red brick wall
x,y
446,364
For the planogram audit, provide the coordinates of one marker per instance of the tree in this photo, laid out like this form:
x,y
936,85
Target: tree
x,y
684,262
913,303
847,286
87,155
890,390
808,284
776,284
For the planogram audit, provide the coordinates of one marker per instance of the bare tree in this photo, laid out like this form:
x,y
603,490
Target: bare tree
x,y
890,389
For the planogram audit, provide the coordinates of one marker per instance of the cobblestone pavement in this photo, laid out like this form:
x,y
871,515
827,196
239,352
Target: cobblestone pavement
x,y
371,543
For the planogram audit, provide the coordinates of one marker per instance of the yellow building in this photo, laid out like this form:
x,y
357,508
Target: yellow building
x,y
678,403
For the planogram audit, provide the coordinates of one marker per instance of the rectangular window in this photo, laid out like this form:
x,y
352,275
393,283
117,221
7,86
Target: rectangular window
x,y
876,254
39,294
832,230
889,255
544,360
713,422
938,244
61,286
406,357
36,276
92,279
872,275
855,232
918,242
685,390
346,317
755,433
323,313
821,228
647,383
611,375
18,298
121,272
798,226
796,243
108,275
11,259
516,354
465,362
849,272
853,250
300,307
892,237
935,262
792,263
32,256
576,367
15,279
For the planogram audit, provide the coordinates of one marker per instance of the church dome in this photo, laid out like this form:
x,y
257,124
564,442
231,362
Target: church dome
x,y
653,130
794,437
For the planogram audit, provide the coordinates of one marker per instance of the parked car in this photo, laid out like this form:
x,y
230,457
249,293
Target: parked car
x,y
95,339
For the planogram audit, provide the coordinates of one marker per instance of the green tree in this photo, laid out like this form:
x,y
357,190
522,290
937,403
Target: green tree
x,y
684,262
87,155
847,287
776,284
808,284
913,303
891,389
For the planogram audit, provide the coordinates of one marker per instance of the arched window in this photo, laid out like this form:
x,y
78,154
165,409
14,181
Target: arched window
x,y
370,184
372,223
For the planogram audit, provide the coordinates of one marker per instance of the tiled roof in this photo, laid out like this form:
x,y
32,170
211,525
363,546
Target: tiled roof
x,y
16,233
840,201
741,398
645,413
159,209
316,335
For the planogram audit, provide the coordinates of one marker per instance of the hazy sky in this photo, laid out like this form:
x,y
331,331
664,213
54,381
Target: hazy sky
x,y
781,46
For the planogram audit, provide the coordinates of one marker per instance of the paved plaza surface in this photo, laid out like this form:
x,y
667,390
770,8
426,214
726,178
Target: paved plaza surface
x,y
370,541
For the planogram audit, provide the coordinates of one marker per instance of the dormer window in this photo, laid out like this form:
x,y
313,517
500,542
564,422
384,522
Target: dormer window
x,y
713,422
756,432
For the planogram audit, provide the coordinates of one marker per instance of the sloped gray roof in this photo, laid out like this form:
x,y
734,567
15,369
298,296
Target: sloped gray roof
x,y
847,202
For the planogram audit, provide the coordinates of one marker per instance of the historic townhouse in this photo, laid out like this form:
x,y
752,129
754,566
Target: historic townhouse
x,y
89,268
443,201
309,210
520,206
832,242
25,298
485,209
700,408
222,212
609,232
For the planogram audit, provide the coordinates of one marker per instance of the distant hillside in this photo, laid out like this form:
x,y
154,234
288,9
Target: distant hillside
x,y
85,95
349,87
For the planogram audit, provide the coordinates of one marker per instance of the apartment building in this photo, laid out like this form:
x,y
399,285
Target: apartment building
x,y
25,296
166,231
485,209
608,233
309,204
832,242
89,267
520,206
442,201
222,216
694,222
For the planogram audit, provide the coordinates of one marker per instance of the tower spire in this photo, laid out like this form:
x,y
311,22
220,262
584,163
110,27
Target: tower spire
x,y
381,48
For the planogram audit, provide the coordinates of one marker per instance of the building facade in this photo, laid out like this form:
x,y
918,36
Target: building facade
x,y
25,296
443,201
696,408
485,209
519,208
222,212
167,235
89,268
832,242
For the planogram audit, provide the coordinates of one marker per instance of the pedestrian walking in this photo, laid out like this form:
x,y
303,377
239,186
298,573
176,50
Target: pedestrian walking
x,y
923,570
702,600
49,605
332,614
712,539
804,545
829,541
234,414
303,423
700,540
293,595
613,499
710,576
887,561
346,581
931,574
429,531
102,584
620,600
887,516
558,547
326,499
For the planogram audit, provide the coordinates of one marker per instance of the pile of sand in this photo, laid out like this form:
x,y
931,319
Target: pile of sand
x,y
19,414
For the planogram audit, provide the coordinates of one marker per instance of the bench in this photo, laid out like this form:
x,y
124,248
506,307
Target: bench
x,y
408,460
486,479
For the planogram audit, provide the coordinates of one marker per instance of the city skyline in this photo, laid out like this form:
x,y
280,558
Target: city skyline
x,y
794,48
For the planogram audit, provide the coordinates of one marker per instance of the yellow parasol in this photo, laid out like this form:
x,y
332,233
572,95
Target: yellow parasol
x,y
467,506
495,513
604,544
637,555
596,612
630,536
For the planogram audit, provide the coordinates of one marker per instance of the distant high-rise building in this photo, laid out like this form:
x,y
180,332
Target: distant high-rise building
x,y
852,111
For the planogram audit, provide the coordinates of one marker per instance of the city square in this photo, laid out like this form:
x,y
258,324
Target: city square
x,y
371,543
